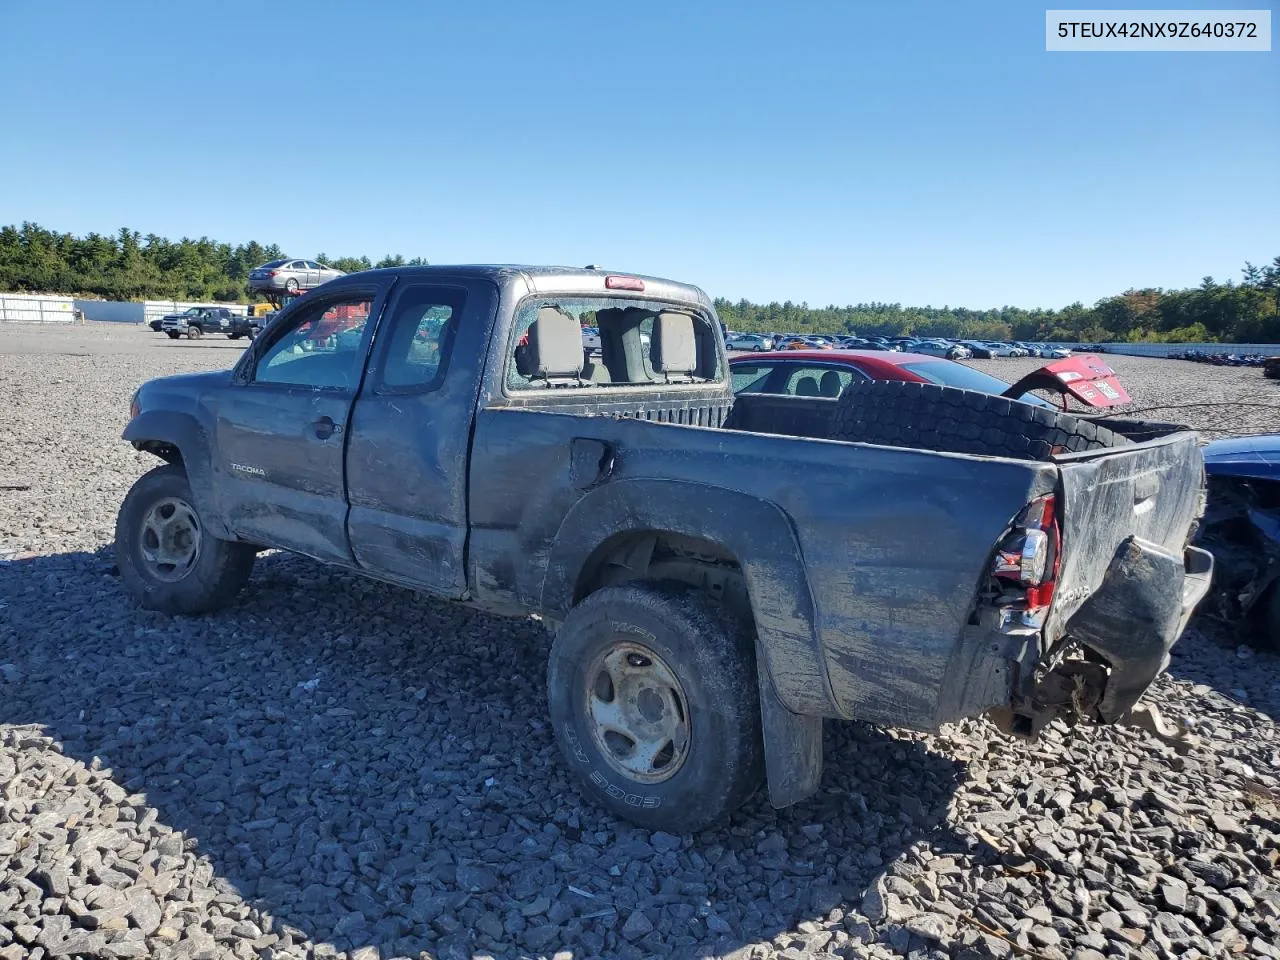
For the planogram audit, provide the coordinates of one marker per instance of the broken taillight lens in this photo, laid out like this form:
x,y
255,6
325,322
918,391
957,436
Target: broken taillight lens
x,y
1029,554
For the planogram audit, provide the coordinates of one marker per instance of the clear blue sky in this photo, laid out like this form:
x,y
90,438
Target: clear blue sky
x,y
925,153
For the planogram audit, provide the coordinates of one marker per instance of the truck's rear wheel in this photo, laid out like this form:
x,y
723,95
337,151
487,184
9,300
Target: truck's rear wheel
x,y
166,558
654,699
926,416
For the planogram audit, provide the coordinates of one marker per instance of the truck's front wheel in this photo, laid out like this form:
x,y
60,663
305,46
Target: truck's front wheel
x,y
654,699
167,559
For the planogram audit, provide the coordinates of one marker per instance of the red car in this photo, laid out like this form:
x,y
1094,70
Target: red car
x,y
825,373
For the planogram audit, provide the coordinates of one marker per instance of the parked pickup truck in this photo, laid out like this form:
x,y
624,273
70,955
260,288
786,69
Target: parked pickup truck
x,y
194,322
720,574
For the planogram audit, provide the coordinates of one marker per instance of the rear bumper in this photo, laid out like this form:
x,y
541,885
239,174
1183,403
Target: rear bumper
x,y
1136,616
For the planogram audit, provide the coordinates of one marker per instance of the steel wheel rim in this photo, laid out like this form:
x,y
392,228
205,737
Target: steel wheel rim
x,y
637,712
169,540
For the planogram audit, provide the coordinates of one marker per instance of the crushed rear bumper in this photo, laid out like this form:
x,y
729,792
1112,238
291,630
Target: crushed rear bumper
x,y
1136,616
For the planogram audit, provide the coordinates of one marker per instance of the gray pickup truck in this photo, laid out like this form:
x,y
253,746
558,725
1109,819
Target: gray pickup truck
x,y
720,574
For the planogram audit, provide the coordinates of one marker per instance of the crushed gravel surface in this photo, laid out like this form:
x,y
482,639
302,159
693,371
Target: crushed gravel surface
x,y
338,767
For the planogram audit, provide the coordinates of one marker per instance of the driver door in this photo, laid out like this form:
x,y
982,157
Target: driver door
x,y
279,475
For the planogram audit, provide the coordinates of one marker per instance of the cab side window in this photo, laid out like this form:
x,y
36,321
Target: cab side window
x,y
324,347
817,382
751,377
419,336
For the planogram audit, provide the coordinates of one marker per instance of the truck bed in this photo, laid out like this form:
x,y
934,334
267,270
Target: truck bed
x,y
864,621
890,546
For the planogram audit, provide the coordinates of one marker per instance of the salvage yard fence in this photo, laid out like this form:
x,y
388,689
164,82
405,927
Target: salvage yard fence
x,y
143,311
36,308
1178,349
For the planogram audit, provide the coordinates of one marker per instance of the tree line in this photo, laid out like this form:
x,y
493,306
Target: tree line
x,y
1247,311
130,266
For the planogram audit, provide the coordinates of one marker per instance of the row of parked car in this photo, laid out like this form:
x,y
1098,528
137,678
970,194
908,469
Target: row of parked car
x,y
1270,365
932,346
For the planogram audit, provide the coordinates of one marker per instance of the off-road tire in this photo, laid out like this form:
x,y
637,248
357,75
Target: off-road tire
x,y
926,416
221,569
712,654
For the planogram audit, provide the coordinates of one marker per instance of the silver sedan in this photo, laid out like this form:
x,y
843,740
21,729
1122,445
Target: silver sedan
x,y
291,276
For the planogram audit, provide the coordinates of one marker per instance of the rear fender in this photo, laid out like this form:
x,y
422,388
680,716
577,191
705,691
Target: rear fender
x,y
795,691
179,437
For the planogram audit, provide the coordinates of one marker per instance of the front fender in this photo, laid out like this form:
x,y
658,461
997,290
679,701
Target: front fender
x,y
155,430
758,533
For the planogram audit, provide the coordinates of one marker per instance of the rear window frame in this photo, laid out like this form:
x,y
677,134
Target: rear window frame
x,y
596,390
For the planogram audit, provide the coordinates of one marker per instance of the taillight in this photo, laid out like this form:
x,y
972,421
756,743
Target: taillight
x,y
1030,553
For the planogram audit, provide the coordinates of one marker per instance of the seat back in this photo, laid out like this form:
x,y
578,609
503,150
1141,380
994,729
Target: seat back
x,y
830,384
807,386
673,348
555,347
594,371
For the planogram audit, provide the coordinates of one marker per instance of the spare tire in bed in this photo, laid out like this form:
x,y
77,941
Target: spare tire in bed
x,y
926,416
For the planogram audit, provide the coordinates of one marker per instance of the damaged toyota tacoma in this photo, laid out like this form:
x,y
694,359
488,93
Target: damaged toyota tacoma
x,y
720,574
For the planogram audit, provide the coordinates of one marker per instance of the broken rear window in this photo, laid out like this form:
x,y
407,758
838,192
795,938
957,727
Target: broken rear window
x,y
641,343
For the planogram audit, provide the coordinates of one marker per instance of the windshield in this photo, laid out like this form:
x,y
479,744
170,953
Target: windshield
x,y
950,374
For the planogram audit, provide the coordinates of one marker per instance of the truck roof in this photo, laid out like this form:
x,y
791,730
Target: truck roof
x,y
553,279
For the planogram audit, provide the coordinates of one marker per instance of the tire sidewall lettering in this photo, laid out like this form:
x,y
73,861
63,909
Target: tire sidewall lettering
x,y
640,801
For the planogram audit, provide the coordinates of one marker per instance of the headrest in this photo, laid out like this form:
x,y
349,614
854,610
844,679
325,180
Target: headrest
x,y
673,348
555,345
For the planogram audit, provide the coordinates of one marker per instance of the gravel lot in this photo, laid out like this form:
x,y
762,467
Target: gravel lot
x,y
337,766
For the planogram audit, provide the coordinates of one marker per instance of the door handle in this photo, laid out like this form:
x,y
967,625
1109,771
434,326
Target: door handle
x,y
590,462
326,427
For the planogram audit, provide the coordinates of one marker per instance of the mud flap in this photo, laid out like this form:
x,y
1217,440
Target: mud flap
x,y
792,746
